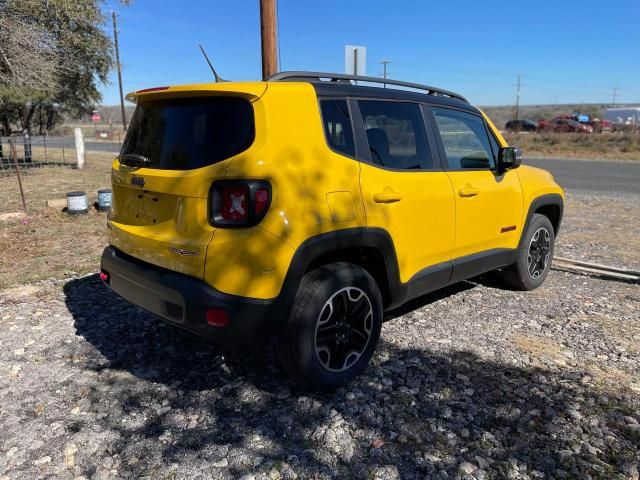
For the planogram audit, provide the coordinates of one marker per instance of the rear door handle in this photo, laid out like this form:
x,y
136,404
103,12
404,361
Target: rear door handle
x,y
468,191
387,196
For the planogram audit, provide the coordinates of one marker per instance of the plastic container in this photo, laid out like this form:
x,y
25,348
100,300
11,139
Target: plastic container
x,y
104,199
77,203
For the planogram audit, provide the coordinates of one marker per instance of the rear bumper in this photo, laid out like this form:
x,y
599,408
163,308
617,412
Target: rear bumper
x,y
183,301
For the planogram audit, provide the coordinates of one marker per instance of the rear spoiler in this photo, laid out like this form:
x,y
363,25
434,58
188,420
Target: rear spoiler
x,y
252,91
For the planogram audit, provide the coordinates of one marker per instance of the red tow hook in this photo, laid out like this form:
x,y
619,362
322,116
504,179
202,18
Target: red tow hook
x,y
104,276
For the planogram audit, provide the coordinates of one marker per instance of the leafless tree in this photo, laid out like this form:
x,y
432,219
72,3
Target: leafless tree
x,y
54,54
28,56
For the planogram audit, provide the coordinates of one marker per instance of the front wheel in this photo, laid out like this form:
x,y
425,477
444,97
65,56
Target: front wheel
x,y
333,327
534,256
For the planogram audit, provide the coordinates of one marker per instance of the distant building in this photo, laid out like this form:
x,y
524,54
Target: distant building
x,y
623,115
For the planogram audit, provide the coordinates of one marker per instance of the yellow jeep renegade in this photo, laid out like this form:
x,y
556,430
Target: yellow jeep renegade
x,y
308,204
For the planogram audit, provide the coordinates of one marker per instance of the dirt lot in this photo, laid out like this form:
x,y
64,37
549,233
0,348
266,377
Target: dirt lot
x,y
48,243
476,381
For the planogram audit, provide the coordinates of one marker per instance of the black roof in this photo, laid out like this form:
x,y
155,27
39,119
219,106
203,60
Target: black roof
x,y
343,85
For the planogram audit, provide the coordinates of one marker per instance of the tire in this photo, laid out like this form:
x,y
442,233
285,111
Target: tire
x,y
540,238
318,344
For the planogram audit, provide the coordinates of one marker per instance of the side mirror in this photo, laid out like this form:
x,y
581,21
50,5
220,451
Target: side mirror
x,y
509,158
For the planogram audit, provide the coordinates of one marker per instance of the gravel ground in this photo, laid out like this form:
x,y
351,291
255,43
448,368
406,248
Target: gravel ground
x,y
476,382
601,227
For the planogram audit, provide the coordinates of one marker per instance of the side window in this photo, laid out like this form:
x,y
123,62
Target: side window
x,y
396,134
465,139
337,126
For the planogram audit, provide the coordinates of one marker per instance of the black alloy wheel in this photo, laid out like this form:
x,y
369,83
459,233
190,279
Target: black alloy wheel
x,y
539,251
343,329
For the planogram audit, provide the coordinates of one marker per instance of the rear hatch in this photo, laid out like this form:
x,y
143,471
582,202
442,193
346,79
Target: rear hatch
x,y
179,141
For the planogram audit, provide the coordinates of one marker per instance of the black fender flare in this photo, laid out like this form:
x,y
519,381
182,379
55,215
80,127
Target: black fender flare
x,y
338,240
541,201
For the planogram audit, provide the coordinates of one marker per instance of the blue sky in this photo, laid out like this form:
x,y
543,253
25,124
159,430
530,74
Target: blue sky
x,y
566,51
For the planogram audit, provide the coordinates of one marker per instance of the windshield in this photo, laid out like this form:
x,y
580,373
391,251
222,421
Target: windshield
x,y
183,134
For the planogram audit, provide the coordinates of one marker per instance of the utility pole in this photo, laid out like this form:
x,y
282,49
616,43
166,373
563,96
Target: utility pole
x,y
268,27
518,97
615,94
115,41
384,63
355,63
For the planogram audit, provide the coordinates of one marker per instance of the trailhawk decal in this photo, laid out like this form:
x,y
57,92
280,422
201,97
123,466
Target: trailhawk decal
x,y
184,253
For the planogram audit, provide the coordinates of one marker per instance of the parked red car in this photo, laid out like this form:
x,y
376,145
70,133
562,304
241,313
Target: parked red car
x,y
597,125
564,125
601,125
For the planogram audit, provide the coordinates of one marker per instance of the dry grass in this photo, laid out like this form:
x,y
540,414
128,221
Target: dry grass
x,y
539,348
613,378
543,351
620,331
65,156
42,184
47,242
617,146
60,155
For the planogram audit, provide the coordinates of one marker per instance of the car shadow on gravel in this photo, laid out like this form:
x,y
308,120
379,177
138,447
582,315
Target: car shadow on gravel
x,y
136,341
164,399
427,299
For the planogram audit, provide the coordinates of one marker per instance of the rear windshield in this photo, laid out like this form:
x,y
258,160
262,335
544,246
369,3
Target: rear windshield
x,y
183,134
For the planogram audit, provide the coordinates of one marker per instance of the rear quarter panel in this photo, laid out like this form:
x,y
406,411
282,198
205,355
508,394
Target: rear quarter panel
x,y
314,191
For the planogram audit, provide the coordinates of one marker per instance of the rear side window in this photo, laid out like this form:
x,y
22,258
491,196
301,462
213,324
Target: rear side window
x,y
337,126
396,134
464,138
183,134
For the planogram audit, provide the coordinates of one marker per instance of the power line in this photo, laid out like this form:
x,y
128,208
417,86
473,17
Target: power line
x,y
615,94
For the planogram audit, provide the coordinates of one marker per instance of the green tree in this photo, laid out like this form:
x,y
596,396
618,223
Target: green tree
x,y
54,55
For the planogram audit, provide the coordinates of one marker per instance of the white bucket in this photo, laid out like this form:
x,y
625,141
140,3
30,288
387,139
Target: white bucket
x,y
104,199
77,203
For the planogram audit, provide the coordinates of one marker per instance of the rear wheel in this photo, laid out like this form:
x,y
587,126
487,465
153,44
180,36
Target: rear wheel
x,y
333,327
534,256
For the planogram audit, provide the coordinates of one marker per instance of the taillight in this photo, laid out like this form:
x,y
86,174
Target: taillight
x,y
262,200
235,203
239,203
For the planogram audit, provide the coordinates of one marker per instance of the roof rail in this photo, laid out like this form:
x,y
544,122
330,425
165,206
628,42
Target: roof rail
x,y
341,77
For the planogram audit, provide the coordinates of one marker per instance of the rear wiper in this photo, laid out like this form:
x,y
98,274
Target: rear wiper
x,y
134,159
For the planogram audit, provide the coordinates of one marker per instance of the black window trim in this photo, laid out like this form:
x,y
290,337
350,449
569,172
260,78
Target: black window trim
x,y
491,135
441,149
324,130
362,144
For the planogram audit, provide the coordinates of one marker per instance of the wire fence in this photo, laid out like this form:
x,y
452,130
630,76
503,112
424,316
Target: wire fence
x,y
45,151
